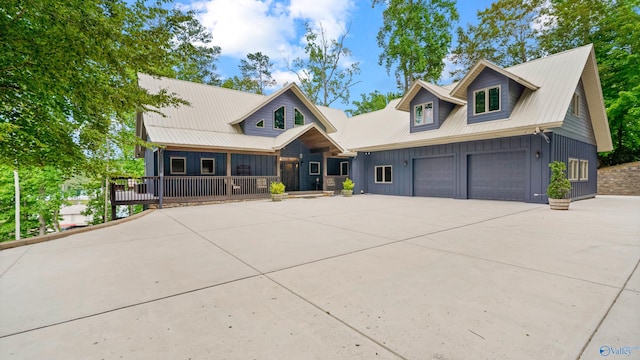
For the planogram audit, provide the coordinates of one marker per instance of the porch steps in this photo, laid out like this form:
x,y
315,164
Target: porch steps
x,y
308,194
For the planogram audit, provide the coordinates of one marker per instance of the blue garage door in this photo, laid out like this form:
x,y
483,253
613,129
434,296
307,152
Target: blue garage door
x,y
433,176
497,176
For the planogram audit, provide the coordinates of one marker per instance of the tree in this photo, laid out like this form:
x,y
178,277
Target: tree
x,y
258,68
614,29
371,102
415,37
323,76
504,35
68,69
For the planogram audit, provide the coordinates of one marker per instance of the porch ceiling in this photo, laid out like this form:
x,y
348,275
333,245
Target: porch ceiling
x,y
314,139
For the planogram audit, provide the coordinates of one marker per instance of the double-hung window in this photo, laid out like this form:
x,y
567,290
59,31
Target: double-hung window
x,y
584,170
423,114
573,169
384,174
486,100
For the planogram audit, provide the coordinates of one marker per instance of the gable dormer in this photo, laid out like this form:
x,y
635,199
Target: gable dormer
x,y
428,105
286,109
491,92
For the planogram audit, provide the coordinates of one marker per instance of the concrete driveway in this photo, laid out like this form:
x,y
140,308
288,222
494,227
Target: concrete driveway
x,y
334,278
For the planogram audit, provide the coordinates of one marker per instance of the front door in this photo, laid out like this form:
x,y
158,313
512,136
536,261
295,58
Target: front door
x,y
289,171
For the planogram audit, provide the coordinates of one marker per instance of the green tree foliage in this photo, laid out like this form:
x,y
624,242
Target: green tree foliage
x,y
415,37
503,35
323,76
68,69
614,29
371,102
42,196
257,67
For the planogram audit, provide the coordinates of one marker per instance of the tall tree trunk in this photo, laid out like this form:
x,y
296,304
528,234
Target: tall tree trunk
x,y
56,221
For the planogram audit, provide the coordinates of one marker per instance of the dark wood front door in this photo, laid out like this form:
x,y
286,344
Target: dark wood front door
x,y
290,175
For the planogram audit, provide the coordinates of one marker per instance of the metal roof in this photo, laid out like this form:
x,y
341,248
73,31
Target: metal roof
x,y
460,90
439,91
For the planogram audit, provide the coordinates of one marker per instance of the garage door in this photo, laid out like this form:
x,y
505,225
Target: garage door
x,y
433,177
497,176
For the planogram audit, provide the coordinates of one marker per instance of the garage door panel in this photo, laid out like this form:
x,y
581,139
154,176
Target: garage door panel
x,y
433,176
497,176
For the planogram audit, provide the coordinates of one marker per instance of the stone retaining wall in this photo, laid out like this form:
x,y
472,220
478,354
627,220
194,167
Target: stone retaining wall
x,y
621,179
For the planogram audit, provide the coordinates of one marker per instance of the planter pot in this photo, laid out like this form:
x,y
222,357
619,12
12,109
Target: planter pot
x,y
278,197
559,204
347,193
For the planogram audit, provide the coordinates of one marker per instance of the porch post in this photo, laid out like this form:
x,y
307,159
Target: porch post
x,y
161,175
324,170
278,165
229,182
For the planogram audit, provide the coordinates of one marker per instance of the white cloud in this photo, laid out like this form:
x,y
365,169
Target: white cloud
x,y
284,77
332,14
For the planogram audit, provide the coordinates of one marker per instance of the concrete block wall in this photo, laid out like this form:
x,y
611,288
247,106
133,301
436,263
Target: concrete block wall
x,y
621,179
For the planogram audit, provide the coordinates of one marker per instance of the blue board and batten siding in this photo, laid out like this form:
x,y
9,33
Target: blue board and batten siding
x,y
258,165
535,159
563,148
290,101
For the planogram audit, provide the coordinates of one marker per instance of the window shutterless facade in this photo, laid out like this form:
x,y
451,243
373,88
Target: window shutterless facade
x,y
207,166
178,165
486,100
573,169
298,117
584,170
344,168
575,105
260,124
384,174
278,118
423,114
314,168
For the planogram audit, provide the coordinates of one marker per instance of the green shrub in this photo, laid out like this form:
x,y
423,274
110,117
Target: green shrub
x,y
276,188
348,184
559,186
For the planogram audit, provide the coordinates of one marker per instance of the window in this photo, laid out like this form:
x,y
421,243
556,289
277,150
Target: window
x,y
573,169
423,114
298,117
584,170
178,165
314,168
278,118
260,124
207,166
486,100
344,168
575,105
383,174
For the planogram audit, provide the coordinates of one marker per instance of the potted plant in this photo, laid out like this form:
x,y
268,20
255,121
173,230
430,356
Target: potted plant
x,y
277,191
347,187
559,187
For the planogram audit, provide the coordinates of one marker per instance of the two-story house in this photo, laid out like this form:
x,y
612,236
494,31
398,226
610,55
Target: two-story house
x,y
491,135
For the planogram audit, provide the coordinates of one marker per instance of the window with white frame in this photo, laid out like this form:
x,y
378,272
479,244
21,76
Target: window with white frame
x,y
384,174
584,170
344,168
298,117
573,169
423,114
486,100
260,124
178,165
314,168
278,118
575,105
207,166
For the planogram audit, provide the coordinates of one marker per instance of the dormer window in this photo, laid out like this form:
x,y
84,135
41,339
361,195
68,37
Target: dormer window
x,y
298,117
486,100
278,118
423,114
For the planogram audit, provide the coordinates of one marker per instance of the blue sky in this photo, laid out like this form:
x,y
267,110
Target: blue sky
x,y
275,27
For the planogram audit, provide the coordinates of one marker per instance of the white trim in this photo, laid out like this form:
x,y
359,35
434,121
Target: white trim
x,y
573,169
384,179
258,122
314,172
294,117
345,173
213,167
486,100
584,170
423,107
184,162
284,118
575,105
